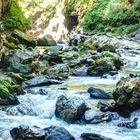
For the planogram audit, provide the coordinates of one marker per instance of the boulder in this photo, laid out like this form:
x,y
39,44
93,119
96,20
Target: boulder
x,y
105,65
23,132
8,99
70,109
127,95
99,94
24,38
58,71
80,71
52,59
92,136
47,40
94,117
19,61
129,124
57,133
104,107
40,81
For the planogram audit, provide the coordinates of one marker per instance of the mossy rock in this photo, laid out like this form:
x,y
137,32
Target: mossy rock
x,y
24,38
109,54
47,40
89,43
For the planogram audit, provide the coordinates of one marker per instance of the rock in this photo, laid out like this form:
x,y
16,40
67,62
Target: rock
x,y
94,117
47,40
107,46
24,38
92,136
58,71
57,133
80,71
23,132
40,81
70,109
134,75
99,94
137,37
19,61
8,99
105,66
127,95
52,59
129,124
104,107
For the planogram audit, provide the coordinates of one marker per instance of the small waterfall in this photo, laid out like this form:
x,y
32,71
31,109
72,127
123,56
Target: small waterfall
x,y
47,18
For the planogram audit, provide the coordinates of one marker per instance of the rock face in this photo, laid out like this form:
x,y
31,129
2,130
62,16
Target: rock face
x,y
92,136
46,41
57,133
99,94
40,81
24,38
70,109
127,95
25,133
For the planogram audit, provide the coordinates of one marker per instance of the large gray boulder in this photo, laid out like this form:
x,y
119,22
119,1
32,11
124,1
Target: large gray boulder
x,y
70,109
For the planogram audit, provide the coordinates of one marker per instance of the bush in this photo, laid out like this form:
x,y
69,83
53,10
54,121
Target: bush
x,y
116,16
15,18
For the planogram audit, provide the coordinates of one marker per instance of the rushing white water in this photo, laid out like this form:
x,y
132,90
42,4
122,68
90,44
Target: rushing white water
x,y
38,110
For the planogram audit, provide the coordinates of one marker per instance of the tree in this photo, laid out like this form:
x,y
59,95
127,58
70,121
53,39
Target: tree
x,y
5,7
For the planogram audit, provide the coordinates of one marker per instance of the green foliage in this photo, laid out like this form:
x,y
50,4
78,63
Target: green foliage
x,y
15,19
5,87
116,16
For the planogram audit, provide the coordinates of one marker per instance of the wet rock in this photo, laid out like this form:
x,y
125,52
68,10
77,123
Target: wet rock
x,y
40,81
57,133
127,95
134,75
99,94
104,107
70,109
92,136
58,71
47,40
95,117
80,71
24,38
129,124
8,99
23,132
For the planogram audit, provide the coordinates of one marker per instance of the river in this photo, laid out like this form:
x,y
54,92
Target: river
x,y
38,110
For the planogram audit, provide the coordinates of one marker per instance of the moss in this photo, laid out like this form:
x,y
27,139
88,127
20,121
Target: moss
x,y
15,18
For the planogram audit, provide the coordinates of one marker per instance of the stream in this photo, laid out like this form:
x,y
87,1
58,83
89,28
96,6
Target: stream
x,y
38,110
